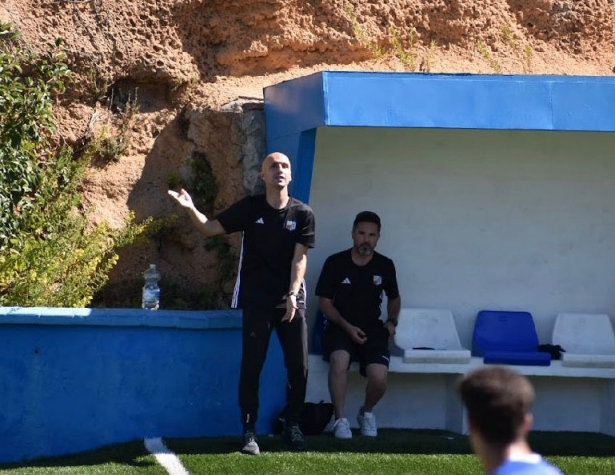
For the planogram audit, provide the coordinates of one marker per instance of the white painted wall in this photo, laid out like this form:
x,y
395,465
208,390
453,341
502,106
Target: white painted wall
x,y
429,401
475,219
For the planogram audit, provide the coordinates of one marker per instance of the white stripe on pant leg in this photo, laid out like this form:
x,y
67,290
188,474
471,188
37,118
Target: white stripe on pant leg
x,y
164,456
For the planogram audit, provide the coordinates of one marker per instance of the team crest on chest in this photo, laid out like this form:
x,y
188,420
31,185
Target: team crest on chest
x,y
291,225
377,280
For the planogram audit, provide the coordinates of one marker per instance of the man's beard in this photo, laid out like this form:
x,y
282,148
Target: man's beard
x,y
365,250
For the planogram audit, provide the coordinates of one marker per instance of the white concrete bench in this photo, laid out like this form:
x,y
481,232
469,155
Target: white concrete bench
x,y
422,393
588,340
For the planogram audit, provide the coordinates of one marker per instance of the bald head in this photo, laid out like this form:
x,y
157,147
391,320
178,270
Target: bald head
x,y
273,158
275,171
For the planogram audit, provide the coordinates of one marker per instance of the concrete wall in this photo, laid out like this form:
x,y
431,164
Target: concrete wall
x,y
475,219
429,400
76,379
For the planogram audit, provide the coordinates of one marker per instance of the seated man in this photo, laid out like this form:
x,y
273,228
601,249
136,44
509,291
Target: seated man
x,y
350,289
498,401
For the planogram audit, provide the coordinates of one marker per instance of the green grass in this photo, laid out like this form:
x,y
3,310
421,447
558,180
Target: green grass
x,y
423,452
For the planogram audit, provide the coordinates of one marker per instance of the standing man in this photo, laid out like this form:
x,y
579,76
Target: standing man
x,y
498,401
277,231
350,288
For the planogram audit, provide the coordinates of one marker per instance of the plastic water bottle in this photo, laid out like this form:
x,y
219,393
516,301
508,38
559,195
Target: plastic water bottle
x,y
151,291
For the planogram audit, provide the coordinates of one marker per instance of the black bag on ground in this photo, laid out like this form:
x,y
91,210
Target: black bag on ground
x,y
313,419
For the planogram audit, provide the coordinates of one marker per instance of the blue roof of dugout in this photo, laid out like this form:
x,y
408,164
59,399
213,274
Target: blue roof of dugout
x,y
295,109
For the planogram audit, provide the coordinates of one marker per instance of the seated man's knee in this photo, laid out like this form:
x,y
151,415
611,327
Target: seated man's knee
x,y
339,361
377,375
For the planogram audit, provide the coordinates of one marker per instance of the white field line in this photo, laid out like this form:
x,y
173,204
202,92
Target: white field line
x,y
164,456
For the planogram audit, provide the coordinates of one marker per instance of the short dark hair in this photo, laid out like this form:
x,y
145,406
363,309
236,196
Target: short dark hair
x,y
367,217
497,399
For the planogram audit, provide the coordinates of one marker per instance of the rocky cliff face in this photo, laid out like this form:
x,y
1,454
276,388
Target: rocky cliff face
x,y
191,73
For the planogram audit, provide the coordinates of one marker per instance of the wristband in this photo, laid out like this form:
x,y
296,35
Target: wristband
x,y
292,294
394,322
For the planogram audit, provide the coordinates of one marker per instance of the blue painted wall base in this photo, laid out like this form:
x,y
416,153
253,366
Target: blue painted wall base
x,y
76,379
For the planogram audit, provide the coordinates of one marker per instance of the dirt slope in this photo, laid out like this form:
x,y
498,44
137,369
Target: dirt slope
x,y
182,62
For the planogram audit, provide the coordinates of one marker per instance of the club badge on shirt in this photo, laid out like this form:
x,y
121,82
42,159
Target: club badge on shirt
x,y
291,225
377,280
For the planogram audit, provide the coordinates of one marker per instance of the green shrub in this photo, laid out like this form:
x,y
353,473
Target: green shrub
x,y
26,122
406,55
485,52
50,254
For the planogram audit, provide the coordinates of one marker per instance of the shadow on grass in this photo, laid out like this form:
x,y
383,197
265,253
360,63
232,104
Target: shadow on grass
x,y
393,441
404,441
124,454
582,444
389,441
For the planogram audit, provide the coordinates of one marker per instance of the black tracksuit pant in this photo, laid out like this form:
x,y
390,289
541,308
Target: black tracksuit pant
x,y
258,323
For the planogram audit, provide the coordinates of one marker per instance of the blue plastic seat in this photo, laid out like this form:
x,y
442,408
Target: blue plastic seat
x,y
319,327
504,337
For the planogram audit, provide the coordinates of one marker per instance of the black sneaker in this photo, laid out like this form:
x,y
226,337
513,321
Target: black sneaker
x,y
250,446
292,436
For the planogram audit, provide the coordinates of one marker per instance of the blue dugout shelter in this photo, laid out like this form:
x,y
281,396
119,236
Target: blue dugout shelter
x,y
495,192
